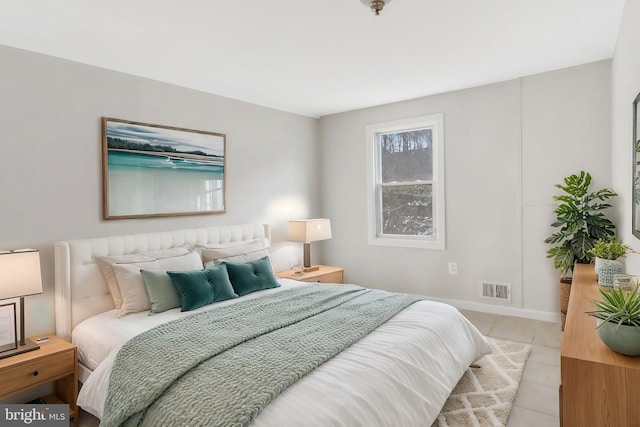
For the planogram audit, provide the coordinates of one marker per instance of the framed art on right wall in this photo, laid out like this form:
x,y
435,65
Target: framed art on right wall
x,y
636,170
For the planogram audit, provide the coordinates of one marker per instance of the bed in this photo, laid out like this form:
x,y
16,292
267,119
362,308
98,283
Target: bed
x,y
399,374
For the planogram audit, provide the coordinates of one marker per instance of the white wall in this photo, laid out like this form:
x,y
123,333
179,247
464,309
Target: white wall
x,y
566,128
625,75
50,158
506,144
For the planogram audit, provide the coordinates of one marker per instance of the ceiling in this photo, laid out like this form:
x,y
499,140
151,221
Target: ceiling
x,y
318,57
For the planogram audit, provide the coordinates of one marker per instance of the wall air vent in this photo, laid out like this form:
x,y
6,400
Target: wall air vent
x,y
495,290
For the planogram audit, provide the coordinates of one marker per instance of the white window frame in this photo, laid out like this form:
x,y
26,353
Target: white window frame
x,y
435,122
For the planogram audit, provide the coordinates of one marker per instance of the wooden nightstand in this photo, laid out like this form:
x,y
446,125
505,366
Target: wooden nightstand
x,y
54,361
325,274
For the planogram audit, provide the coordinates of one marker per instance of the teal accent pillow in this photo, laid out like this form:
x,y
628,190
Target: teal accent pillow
x,y
219,278
202,287
251,276
162,293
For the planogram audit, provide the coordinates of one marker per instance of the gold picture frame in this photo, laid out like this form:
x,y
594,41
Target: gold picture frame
x,y
8,328
157,171
635,197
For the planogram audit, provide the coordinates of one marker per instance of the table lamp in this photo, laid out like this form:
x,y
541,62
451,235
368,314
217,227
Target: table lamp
x,y
307,231
20,277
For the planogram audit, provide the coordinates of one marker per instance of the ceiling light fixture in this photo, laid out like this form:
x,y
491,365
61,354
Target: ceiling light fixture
x,y
375,5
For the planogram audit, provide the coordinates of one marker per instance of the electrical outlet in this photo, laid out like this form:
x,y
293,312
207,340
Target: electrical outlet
x,y
453,268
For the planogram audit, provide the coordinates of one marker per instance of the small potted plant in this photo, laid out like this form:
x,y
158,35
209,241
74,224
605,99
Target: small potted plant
x,y
618,315
609,259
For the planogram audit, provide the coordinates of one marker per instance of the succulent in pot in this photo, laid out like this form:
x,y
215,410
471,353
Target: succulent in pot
x,y
618,314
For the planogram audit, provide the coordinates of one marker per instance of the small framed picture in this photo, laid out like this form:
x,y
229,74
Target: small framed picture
x,y
8,334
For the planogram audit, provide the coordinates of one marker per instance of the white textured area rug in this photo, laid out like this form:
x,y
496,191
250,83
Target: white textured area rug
x,y
484,396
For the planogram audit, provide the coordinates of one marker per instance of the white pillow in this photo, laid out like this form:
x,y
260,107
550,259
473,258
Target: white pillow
x,y
238,252
238,259
106,264
134,295
190,261
131,283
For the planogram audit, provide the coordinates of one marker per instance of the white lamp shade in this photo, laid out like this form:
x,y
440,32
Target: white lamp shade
x,y
20,274
309,230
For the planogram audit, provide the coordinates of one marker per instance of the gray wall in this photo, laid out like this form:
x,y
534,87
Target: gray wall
x,y
566,128
625,72
50,158
506,144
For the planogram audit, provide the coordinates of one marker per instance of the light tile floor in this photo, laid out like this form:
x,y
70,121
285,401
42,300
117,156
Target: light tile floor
x,y
536,403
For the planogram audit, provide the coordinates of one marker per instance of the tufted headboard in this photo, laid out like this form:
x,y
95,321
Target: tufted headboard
x,y
80,288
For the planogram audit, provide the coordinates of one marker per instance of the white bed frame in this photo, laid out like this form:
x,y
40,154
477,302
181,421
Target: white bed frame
x,y
80,288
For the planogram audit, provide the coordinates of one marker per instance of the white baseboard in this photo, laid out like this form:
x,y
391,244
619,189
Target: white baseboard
x,y
546,316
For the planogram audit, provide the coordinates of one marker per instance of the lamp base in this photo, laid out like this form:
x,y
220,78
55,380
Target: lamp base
x,y
312,268
27,347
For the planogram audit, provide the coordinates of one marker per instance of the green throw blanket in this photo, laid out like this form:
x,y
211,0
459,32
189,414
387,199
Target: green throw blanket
x,y
169,376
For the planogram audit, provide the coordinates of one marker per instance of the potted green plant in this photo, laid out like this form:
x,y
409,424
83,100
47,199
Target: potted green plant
x,y
611,249
618,315
580,223
609,259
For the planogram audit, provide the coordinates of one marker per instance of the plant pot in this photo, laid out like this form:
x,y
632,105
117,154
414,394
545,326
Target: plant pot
x,y
565,291
623,339
606,268
601,261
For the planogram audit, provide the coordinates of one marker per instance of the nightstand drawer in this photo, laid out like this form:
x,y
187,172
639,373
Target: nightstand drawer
x,y
36,371
335,277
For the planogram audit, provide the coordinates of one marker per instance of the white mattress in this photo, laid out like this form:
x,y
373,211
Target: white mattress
x,y
399,375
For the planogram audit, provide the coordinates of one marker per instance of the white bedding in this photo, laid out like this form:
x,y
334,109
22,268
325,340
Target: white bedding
x,y
399,375
104,333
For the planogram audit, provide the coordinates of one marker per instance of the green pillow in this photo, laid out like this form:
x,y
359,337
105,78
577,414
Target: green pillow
x,y
251,276
162,293
219,278
202,287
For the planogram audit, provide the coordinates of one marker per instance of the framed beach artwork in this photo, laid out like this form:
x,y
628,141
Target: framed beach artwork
x,y
154,170
635,209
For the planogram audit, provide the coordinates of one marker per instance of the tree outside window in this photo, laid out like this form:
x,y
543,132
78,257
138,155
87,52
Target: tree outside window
x,y
406,186
407,206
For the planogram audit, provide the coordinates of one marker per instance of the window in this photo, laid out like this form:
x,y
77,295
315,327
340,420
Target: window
x,y
406,183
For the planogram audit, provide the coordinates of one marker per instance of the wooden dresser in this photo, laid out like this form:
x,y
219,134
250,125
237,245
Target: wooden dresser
x,y
599,387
